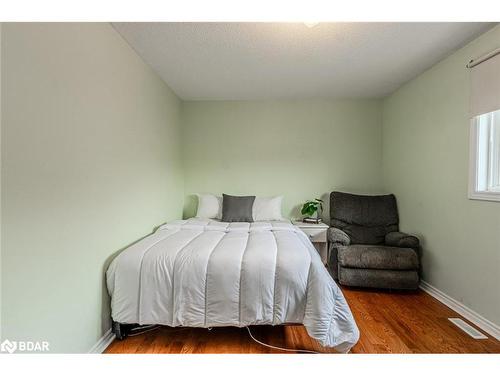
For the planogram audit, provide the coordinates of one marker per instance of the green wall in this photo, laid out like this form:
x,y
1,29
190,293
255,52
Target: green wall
x,y
425,162
299,149
90,162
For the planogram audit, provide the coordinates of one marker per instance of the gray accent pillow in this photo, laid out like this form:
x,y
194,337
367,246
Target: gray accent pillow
x,y
237,209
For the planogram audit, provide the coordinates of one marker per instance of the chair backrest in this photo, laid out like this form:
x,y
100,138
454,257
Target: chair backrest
x,y
365,218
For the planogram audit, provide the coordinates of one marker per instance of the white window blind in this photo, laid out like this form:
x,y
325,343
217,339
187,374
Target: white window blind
x,y
485,128
485,87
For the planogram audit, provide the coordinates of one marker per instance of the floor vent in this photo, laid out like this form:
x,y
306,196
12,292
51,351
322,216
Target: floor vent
x,y
467,328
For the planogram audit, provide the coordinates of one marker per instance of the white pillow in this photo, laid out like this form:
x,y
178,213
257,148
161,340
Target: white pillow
x,y
209,206
267,209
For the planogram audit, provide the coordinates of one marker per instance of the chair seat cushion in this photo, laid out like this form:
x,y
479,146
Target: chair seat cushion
x,y
377,257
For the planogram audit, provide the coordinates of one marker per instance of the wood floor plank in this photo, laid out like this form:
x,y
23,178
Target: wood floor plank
x,y
389,322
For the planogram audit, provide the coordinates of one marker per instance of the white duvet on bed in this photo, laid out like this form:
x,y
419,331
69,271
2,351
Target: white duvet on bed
x,y
205,273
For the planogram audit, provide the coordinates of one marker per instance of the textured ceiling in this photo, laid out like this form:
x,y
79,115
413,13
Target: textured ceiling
x,y
230,61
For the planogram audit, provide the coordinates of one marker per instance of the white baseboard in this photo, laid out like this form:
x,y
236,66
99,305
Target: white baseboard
x,y
103,343
460,308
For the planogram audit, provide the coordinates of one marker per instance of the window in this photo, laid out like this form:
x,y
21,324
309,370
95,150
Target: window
x,y
485,156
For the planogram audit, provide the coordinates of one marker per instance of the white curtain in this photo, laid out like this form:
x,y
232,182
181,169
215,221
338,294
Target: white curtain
x,y
485,87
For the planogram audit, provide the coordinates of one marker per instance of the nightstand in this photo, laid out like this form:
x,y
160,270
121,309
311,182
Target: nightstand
x,y
317,235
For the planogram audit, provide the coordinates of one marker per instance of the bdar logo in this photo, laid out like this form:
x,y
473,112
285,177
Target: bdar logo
x,y
8,346
24,346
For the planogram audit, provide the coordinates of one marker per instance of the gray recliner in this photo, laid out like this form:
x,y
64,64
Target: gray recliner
x,y
366,248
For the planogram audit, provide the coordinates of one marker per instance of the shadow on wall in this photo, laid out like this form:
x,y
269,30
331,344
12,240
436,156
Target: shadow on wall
x,y
326,208
190,205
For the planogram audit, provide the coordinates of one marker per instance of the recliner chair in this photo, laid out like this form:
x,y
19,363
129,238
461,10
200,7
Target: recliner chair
x,y
366,248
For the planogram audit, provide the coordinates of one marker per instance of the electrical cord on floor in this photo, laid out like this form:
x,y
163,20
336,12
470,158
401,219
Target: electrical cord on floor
x,y
144,329
277,347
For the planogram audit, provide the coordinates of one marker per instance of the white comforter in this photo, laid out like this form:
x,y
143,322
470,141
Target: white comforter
x,y
204,273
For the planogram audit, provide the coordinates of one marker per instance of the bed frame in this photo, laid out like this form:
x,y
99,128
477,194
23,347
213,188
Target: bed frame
x,y
121,330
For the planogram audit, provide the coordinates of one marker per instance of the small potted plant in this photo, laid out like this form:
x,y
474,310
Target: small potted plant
x,y
312,210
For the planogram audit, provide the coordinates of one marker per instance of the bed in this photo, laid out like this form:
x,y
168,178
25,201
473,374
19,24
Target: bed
x,y
207,273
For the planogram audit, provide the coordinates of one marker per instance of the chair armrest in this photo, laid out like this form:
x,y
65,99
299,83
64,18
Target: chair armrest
x,y
336,238
336,235
399,239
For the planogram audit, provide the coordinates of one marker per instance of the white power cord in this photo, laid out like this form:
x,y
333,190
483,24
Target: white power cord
x,y
278,348
142,330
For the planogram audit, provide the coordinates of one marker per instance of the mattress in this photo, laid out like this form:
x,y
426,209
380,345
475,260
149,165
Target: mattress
x,y
205,273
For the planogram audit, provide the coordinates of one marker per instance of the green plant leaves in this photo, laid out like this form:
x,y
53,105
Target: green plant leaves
x,y
310,207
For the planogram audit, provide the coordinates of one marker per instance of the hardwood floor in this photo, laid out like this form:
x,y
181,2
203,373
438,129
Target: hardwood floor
x,y
389,322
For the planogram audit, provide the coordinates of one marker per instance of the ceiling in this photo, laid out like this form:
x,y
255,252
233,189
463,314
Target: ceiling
x,y
246,61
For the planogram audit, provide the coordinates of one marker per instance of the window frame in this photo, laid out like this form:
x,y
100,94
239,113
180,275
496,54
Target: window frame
x,y
474,192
